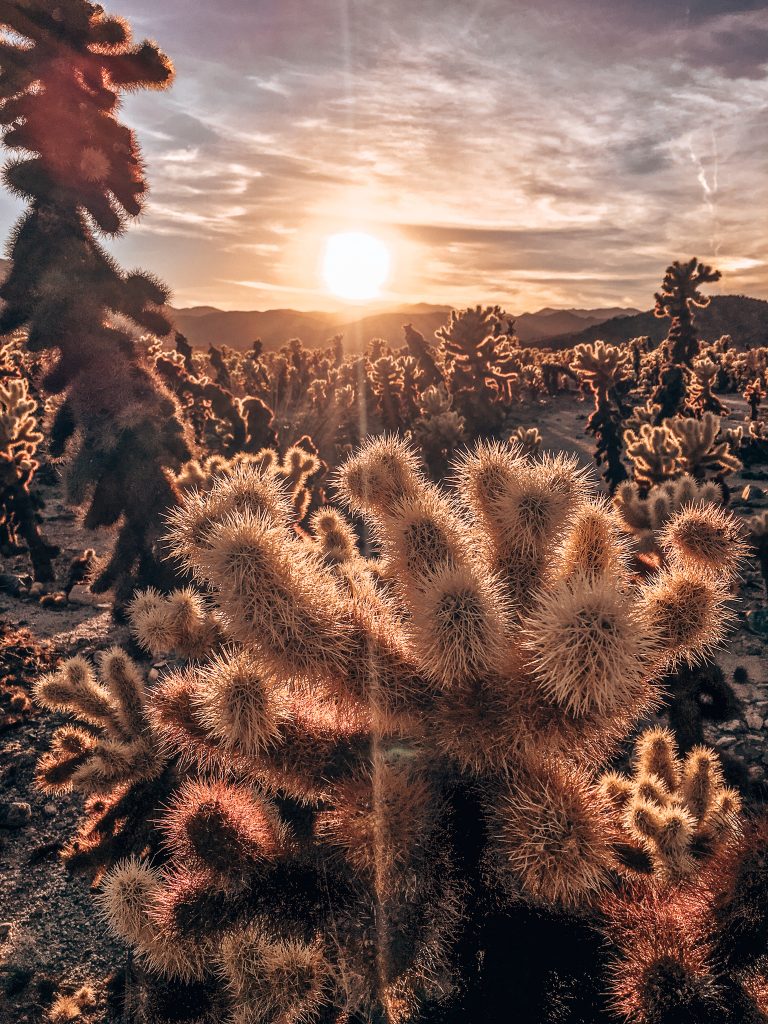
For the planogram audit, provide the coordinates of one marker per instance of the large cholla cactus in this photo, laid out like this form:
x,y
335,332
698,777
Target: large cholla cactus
x,y
606,369
477,351
677,299
63,69
391,760
19,440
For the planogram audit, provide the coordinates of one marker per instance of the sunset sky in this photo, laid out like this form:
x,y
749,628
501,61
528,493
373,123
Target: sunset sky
x,y
551,153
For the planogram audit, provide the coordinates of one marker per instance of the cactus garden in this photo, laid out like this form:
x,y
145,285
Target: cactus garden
x,y
381,660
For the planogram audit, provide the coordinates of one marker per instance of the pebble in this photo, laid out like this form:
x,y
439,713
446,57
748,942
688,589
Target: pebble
x,y
50,809
754,719
5,930
16,814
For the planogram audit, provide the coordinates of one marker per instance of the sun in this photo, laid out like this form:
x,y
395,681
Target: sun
x,y
356,265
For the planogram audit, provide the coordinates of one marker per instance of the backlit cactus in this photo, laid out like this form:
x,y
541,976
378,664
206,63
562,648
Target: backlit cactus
x,y
671,814
379,751
19,440
115,760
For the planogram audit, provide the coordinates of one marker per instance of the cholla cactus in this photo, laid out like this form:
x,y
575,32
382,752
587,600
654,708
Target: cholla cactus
x,y
671,815
63,69
439,431
754,393
606,369
702,451
475,347
655,454
527,439
116,762
646,515
705,374
694,951
378,763
680,445
387,384
19,440
677,299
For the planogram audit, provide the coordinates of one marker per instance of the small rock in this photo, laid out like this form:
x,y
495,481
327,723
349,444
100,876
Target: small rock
x,y
50,809
733,726
5,930
14,815
725,741
754,719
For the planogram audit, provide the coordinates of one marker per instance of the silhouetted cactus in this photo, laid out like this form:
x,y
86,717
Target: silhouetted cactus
x,y
476,353
604,368
678,298
65,67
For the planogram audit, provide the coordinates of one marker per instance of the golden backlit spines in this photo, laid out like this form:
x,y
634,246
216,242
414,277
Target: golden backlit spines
x,y
277,594
334,536
383,472
551,832
677,812
705,537
238,704
281,980
688,612
595,543
589,645
245,490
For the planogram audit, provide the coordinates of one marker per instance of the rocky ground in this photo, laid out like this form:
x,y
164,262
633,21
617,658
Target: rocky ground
x,y
52,945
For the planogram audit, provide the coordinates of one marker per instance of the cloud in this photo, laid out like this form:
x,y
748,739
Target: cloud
x,y
556,152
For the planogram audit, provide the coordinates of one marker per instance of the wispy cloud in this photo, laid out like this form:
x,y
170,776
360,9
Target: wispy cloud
x,y
551,153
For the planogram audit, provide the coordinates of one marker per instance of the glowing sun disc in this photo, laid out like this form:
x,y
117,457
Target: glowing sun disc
x,y
355,265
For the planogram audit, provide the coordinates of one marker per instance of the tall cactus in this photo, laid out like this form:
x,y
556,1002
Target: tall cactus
x,y
62,73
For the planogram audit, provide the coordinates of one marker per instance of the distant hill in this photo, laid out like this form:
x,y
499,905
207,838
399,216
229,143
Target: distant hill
x,y
205,325
548,323
745,319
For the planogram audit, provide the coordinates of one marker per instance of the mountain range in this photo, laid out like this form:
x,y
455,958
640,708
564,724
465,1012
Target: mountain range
x,y
205,325
745,319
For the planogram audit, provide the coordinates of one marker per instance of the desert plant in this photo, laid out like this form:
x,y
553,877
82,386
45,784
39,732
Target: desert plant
x,y
703,398
439,430
412,758
680,445
754,393
604,368
671,815
19,440
476,349
646,515
528,439
65,67
694,951
677,299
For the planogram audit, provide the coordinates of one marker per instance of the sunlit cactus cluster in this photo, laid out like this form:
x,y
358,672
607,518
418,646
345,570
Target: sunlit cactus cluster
x,y
20,437
379,758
